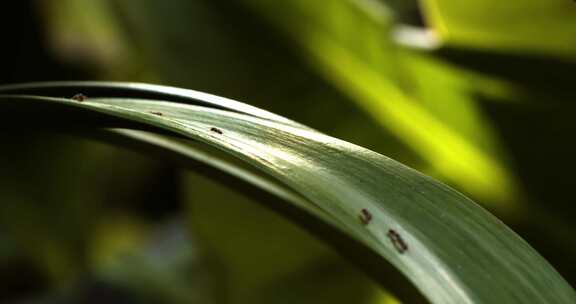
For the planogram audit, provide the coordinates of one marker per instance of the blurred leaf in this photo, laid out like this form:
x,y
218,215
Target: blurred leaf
x,y
86,33
529,26
418,99
452,250
43,200
165,267
55,191
171,34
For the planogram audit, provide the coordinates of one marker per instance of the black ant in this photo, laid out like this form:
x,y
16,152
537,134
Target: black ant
x,y
79,97
216,130
397,241
365,216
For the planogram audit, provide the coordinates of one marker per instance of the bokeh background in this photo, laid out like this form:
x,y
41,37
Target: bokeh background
x,y
478,93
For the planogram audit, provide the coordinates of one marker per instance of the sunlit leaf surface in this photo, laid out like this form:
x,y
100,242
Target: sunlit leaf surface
x,y
529,26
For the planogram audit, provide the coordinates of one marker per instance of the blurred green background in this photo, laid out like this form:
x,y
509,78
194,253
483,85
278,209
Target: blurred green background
x,y
478,94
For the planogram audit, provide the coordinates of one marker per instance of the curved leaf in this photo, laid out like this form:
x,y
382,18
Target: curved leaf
x,y
451,249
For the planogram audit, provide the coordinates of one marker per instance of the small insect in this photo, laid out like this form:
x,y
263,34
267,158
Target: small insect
x,y
365,216
397,241
216,130
156,113
79,97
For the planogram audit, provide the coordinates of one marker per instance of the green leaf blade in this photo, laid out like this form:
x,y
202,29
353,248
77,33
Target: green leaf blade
x,y
456,252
